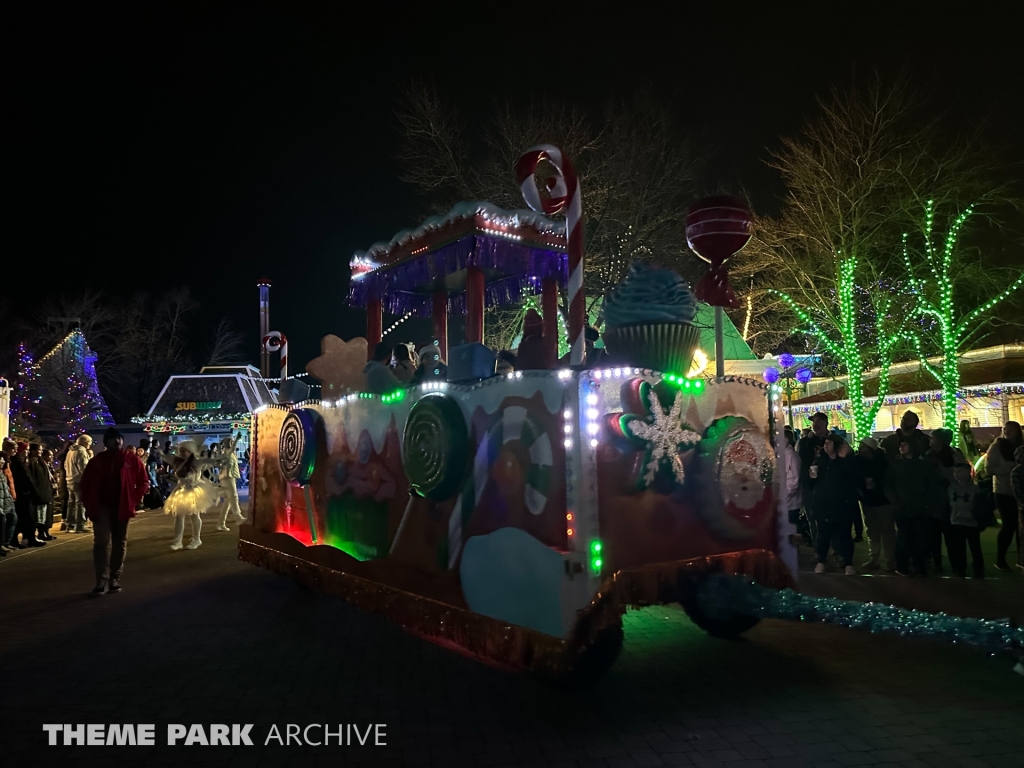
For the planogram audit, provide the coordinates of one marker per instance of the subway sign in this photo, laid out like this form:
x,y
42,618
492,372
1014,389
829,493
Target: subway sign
x,y
207,405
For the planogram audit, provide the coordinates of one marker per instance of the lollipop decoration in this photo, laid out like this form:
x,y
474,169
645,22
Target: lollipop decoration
x,y
563,196
297,456
274,341
716,228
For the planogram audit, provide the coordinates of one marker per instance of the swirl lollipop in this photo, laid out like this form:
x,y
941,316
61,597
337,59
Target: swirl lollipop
x,y
563,195
716,228
297,456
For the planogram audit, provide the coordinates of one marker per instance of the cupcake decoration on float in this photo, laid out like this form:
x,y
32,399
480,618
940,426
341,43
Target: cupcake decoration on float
x,y
649,320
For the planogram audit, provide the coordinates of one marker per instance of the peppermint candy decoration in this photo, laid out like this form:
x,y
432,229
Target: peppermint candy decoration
x,y
563,196
296,448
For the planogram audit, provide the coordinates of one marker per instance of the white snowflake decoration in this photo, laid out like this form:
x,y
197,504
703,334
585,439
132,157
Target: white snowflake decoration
x,y
666,438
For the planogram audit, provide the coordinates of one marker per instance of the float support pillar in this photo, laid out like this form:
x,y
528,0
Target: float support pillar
x,y
474,305
374,325
439,312
549,306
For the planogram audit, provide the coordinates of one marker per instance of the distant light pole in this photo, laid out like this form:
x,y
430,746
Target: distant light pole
x,y
791,369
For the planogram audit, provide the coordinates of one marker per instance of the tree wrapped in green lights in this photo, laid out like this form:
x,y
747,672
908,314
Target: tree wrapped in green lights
x,y
857,328
943,279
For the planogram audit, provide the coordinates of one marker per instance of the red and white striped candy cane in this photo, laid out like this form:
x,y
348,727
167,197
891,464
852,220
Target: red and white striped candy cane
x,y
564,195
273,341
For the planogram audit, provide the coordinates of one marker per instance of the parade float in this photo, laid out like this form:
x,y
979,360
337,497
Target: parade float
x,y
516,517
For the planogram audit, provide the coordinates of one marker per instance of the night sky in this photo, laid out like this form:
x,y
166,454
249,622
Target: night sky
x,y
164,145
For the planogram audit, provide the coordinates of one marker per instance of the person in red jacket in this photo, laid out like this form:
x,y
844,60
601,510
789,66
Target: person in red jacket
x,y
112,486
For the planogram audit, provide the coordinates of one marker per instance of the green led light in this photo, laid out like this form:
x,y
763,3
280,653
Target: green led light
x,y
597,564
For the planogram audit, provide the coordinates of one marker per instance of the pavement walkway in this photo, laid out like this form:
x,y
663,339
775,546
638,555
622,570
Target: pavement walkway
x,y
199,637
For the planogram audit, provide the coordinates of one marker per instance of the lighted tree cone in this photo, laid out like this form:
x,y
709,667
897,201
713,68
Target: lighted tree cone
x,y
563,196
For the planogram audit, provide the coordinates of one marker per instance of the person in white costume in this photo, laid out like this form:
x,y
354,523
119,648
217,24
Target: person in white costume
x,y
229,477
193,494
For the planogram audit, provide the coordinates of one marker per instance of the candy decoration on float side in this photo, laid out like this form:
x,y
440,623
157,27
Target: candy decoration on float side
x,y
738,464
516,423
296,450
716,228
563,196
274,341
663,437
435,447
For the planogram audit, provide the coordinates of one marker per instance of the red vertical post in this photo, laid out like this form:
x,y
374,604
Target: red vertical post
x,y
474,305
439,313
374,325
549,307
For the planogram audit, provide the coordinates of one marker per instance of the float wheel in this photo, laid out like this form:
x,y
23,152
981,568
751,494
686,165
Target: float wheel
x,y
714,617
435,447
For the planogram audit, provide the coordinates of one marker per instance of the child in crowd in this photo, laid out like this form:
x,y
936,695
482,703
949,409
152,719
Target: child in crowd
x,y
965,523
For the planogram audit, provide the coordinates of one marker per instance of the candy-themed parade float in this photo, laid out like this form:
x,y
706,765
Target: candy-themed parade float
x,y
516,517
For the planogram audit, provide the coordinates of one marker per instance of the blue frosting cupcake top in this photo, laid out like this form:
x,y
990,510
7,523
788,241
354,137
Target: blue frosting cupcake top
x,y
649,294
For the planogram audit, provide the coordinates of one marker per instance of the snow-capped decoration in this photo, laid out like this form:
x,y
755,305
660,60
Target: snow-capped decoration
x,y
663,436
496,219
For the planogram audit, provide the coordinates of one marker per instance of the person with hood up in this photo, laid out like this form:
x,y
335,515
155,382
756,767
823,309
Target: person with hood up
x,y
792,462
835,502
965,524
111,486
532,353
42,494
193,495
74,468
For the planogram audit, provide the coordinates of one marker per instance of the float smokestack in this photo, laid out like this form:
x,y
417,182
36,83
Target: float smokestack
x,y
264,286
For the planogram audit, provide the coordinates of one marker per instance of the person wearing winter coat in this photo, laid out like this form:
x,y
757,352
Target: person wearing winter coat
x,y
1017,482
24,492
964,523
42,495
808,449
431,366
112,485
910,482
879,518
999,461
835,502
908,432
943,458
8,517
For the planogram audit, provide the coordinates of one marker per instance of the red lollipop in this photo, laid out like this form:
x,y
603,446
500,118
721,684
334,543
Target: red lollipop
x,y
716,228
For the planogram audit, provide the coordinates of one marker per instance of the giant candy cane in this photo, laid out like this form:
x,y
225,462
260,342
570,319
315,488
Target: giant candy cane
x,y
274,341
563,195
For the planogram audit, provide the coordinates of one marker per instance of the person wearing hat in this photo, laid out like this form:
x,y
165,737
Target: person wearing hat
x,y
229,477
431,365
74,468
877,510
112,485
193,495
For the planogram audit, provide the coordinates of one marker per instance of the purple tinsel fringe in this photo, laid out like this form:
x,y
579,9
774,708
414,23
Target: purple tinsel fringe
x,y
524,267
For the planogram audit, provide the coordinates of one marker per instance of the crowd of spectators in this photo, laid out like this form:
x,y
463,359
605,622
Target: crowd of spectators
x,y
921,501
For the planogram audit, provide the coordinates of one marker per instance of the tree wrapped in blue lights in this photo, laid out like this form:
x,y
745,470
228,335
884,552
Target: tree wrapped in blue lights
x,y
26,400
940,275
